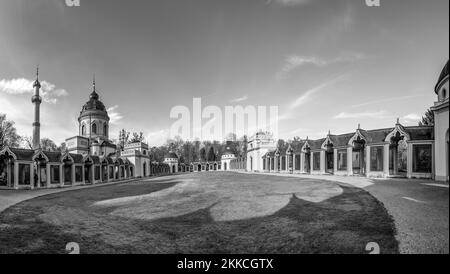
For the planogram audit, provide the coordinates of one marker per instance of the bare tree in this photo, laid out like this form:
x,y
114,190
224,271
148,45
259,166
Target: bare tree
x,y
8,133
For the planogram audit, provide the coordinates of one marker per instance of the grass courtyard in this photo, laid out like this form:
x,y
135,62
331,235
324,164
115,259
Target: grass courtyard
x,y
202,213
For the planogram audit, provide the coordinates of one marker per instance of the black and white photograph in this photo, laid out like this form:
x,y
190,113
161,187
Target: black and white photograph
x,y
241,131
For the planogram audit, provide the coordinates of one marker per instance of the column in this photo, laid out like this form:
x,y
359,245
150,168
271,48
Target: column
x,y
367,160
409,160
83,175
38,167
107,173
73,175
322,161
48,175
311,162
386,160
350,161
16,175
32,176
302,162
335,161
61,175
293,162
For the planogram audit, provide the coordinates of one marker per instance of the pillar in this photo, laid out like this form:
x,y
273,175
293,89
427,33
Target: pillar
x,y
83,175
302,162
367,160
335,161
16,175
409,160
32,176
322,161
61,175
73,174
386,160
350,161
48,175
311,162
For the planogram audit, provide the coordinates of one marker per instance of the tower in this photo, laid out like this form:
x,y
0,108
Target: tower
x,y
36,100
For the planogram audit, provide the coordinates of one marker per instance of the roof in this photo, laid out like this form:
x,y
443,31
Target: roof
x,y
94,106
444,73
171,155
420,133
23,154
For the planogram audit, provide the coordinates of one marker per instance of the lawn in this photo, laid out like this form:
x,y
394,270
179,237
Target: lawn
x,y
202,213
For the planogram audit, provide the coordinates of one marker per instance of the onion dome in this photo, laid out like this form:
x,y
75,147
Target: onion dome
x,y
94,106
442,77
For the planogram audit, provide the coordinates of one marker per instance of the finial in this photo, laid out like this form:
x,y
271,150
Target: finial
x,y
329,132
37,72
359,126
398,121
93,82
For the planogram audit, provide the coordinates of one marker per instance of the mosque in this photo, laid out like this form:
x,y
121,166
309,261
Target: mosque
x,y
92,158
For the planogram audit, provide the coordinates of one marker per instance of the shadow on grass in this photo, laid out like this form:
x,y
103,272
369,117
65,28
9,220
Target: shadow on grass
x,y
343,224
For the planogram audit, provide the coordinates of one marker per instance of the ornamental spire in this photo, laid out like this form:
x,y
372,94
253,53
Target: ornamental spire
x,y
37,84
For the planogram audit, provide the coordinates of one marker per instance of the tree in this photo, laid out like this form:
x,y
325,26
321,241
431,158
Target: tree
x,y
124,136
137,137
48,145
8,133
211,155
427,119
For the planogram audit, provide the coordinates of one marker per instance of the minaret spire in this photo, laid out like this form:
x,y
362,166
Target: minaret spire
x,y
37,100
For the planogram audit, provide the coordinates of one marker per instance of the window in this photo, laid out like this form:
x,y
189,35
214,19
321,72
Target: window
x,y
297,162
24,174
422,158
97,173
105,130
83,130
376,159
111,172
78,174
342,160
283,163
54,171
316,161
94,128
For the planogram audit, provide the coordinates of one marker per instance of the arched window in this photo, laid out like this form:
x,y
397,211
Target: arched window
x,y
105,130
444,94
83,130
94,128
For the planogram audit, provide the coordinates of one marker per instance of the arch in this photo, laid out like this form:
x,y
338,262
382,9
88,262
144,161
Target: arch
x,y
94,128
358,137
397,132
83,129
7,152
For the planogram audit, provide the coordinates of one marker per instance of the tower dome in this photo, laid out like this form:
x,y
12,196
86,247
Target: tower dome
x,y
443,76
94,119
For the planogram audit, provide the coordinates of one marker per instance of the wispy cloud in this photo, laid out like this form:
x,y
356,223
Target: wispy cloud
x,y
375,115
412,117
239,99
389,100
158,137
49,92
306,97
114,115
294,62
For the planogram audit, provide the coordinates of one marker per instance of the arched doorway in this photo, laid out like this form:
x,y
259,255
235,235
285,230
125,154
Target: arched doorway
x,y
88,171
398,155
225,166
6,170
358,157
174,169
67,171
40,163
199,168
144,169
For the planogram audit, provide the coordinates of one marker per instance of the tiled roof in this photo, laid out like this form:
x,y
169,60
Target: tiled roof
x,y
420,133
23,154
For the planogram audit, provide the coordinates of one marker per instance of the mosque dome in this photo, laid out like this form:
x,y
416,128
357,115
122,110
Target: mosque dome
x,y
442,76
94,107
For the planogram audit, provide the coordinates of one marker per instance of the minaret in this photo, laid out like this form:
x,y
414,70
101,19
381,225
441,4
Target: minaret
x,y
37,100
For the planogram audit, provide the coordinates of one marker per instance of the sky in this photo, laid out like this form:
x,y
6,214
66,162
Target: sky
x,y
328,65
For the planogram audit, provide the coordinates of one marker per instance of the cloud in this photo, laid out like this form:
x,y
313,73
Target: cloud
x,y
240,99
412,117
375,115
389,100
288,3
294,62
114,115
158,138
305,97
49,92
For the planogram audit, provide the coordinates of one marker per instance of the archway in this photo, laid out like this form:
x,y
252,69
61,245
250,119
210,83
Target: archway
x,y
173,169
88,171
199,168
398,155
41,171
144,169
6,170
67,171
358,157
